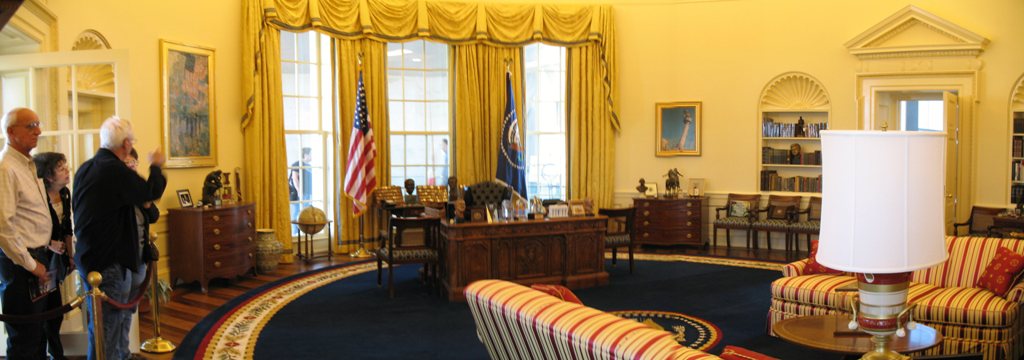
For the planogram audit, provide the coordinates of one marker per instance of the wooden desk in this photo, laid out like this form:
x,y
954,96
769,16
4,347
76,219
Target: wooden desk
x,y
1006,224
819,332
567,251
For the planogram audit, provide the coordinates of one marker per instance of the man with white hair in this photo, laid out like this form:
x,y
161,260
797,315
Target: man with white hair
x,y
106,192
24,234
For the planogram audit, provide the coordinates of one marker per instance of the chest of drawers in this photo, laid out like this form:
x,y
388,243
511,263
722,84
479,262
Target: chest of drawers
x,y
670,221
211,243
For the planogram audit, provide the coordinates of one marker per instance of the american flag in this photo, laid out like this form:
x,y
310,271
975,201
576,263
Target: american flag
x,y
362,153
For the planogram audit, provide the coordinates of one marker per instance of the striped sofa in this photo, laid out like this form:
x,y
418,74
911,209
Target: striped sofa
x,y
517,322
970,318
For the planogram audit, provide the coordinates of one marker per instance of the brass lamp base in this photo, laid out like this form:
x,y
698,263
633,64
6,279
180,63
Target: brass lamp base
x,y
157,345
881,351
361,253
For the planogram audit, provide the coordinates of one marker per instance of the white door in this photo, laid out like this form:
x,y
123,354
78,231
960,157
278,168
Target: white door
x,y
73,92
951,118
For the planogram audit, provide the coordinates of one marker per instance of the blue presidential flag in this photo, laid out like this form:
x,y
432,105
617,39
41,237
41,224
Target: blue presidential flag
x,y
511,166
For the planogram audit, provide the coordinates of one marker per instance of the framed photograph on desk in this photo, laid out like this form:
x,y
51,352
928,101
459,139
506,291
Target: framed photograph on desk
x,y
184,198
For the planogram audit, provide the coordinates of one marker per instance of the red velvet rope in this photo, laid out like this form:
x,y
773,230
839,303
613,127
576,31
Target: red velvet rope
x,y
43,316
138,297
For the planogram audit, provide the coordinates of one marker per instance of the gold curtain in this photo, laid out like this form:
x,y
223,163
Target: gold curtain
x,y
375,81
480,99
263,127
591,136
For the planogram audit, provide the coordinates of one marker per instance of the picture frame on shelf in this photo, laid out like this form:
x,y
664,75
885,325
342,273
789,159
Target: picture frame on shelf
x,y
695,187
185,198
678,128
188,99
577,210
652,190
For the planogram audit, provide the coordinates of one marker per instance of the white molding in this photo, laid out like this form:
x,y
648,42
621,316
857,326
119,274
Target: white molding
x,y
794,91
1017,97
871,44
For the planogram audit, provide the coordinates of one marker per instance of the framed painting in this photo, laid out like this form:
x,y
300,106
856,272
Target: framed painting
x,y
188,99
677,128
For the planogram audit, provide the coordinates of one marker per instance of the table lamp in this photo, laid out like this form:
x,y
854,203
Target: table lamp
x,y
882,217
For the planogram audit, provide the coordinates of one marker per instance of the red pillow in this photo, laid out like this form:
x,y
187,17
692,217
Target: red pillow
x,y
557,291
1001,271
737,353
813,266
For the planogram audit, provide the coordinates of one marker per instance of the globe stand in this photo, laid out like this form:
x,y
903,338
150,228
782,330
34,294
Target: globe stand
x,y
361,251
305,245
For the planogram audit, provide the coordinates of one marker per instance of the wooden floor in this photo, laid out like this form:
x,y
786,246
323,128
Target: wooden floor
x,y
188,305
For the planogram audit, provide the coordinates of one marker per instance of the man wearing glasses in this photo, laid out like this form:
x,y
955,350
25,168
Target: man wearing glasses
x,y
24,234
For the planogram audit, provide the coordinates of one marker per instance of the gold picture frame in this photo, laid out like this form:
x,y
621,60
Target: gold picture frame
x,y
677,128
188,104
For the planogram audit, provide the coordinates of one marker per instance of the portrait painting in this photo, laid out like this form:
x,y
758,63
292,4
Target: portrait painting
x,y
678,128
189,122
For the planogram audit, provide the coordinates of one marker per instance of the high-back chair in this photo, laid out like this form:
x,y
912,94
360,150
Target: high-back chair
x,y
981,220
811,226
778,215
393,250
619,232
487,192
739,209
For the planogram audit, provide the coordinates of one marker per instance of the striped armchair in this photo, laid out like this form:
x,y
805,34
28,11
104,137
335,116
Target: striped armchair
x,y
517,322
970,318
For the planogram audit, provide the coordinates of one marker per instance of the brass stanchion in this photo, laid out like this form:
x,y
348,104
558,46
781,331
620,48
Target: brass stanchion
x,y
97,296
156,344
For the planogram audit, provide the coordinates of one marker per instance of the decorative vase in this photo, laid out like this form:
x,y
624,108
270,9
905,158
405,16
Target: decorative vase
x,y
268,251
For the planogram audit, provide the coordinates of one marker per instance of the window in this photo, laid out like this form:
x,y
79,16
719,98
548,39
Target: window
x,y
418,108
545,80
308,120
921,115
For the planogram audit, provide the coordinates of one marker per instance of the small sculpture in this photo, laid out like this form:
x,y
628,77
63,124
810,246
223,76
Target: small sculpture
x,y
800,130
210,187
672,184
454,190
642,188
795,154
410,185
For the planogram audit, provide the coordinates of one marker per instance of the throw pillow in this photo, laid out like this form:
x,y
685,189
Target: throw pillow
x,y
737,353
1001,271
779,212
813,266
558,291
739,208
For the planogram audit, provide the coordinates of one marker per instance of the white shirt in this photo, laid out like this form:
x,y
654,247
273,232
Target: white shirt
x,y
24,214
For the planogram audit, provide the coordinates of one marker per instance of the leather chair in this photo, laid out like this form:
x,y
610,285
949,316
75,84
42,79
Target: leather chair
x,y
778,215
619,232
393,250
980,222
488,192
811,226
734,218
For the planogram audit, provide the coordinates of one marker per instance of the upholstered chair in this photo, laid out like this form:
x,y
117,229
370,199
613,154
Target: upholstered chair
x,y
811,226
981,220
777,216
393,250
738,214
620,232
487,192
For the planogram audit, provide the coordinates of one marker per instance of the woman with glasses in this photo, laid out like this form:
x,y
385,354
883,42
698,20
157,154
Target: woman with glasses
x,y
53,169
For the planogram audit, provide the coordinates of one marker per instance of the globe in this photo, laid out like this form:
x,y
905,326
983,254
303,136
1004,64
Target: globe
x,y
312,220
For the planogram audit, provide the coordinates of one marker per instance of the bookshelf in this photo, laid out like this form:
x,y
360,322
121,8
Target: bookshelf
x,y
1017,142
793,109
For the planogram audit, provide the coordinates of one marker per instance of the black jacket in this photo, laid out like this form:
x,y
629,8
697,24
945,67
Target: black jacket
x,y
61,229
106,192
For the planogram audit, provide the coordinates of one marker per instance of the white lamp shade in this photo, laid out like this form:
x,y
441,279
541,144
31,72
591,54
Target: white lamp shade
x,y
883,209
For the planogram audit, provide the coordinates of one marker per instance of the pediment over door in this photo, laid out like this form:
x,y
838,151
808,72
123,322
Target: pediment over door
x,y
913,32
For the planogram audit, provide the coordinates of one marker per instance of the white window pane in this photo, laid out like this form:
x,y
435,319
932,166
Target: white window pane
x,y
548,117
315,143
413,55
549,86
530,57
394,55
318,186
306,46
416,149
414,84
288,78
560,111
309,114
397,175
397,149
437,85
417,173
307,77
437,116
293,148
550,57
415,116
437,55
291,113
395,84
396,115
287,45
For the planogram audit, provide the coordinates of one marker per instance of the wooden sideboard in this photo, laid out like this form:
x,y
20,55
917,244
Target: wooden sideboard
x,y
566,251
677,221
217,242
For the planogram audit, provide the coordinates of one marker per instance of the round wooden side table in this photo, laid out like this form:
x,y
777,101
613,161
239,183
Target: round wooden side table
x,y
829,333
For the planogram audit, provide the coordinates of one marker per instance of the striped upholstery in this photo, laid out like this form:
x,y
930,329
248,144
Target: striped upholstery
x,y
771,224
806,226
970,318
733,220
616,240
516,322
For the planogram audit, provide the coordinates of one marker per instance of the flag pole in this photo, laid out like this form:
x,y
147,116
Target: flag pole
x,y
361,251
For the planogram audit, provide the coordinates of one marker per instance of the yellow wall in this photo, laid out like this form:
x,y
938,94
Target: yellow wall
x,y
723,54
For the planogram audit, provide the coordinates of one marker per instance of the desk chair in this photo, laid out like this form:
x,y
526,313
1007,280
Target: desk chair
x,y
738,216
619,232
488,192
779,214
393,251
981,220
811,226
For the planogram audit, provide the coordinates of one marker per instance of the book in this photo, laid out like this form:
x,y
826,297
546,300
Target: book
x,y
37,291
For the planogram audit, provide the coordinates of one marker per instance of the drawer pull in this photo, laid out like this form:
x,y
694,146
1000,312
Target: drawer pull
x,y
250,255
688,236
689,204
249,238
216,231
646,212
647,223
249,224
689,223
216,218
216,246
647,235
646,204
249,211
688,213
216,264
